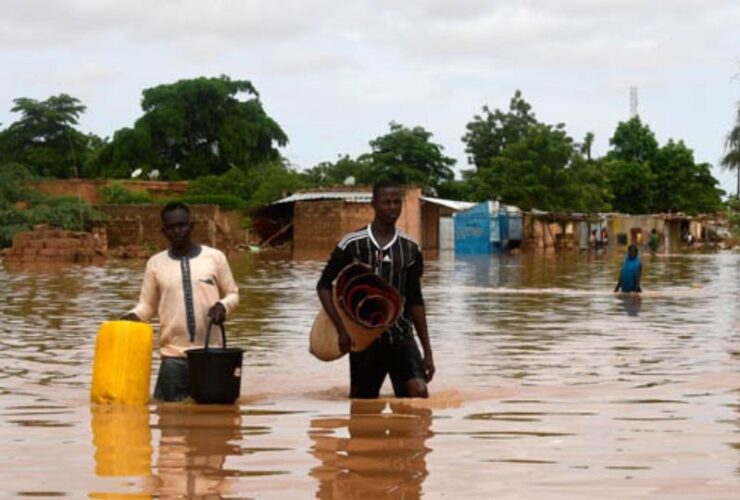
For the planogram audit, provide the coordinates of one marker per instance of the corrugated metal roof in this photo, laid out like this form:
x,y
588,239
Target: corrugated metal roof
x,y
348,196
453,204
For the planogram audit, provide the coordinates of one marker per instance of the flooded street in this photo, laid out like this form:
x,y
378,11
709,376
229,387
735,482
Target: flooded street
x,y
547,386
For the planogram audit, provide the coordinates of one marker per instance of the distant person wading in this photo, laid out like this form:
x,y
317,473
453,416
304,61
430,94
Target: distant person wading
x,y
631,273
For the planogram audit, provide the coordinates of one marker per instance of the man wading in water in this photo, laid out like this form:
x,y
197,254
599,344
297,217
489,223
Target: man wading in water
x,y
187,285
394,256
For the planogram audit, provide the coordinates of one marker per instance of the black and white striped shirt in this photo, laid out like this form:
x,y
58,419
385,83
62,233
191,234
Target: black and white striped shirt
x,y
399,262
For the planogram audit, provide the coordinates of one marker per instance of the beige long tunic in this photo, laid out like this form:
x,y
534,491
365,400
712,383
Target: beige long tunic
x,y
165,293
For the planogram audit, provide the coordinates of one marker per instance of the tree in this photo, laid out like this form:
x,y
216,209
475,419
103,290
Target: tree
x,y
328,173
531,172
14,184
731,159
645,177
407,155
588,143
630,183
44,138
629,167
195,127
488,134
262,185
633,141
530,164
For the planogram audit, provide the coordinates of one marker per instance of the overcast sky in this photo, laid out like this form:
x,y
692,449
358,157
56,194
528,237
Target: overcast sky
x,y
333,74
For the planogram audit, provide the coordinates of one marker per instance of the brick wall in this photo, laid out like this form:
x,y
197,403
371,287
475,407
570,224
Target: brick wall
x,y
45,244
88,189
319,224
139,225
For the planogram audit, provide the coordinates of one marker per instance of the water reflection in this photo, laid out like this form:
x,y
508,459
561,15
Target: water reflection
x,y
382,455
194,444
122,440
631,303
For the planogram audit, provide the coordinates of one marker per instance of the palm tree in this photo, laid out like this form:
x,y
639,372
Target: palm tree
x,y
731,159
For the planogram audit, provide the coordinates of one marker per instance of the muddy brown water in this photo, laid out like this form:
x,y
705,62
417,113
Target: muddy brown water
x,y
547,386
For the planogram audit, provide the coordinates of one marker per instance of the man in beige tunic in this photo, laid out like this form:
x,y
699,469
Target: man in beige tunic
x,y
187,286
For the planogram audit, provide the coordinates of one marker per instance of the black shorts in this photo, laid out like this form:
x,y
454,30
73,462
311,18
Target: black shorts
x,y
399,358
173,381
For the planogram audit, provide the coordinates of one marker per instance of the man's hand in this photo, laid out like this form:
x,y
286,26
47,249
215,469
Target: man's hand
x,y
217,313
428,368
129,316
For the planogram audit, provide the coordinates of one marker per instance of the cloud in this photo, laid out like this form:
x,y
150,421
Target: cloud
x,y
82,77
35,23
299,61
604,34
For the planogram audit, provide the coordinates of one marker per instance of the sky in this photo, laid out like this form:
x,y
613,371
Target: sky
x,y
334,74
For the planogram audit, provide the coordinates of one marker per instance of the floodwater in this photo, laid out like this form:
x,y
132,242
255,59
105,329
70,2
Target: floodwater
x,y
547,386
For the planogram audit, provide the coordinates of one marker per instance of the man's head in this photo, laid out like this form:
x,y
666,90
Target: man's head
x,y
632,251
176,224
387,201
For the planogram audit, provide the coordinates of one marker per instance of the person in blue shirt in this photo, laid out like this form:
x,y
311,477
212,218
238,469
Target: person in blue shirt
x,y
629,277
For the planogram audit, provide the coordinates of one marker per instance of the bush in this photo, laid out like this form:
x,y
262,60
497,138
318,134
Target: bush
x,y
225,201
116,194
64,212
14,178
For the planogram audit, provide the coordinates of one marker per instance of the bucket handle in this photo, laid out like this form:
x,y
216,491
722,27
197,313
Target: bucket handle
x,y
223,333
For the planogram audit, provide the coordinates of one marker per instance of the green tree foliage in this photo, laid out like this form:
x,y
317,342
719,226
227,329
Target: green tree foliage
x,y
332,174
191,128
731,158
262,185
530,164
407,155
57,211
116,194
630,183
645,177
490,133
633,141
681,184
45,138
14,185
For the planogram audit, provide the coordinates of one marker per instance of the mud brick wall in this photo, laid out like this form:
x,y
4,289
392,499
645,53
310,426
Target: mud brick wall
x,y
45,244
139,225
319,224
89,189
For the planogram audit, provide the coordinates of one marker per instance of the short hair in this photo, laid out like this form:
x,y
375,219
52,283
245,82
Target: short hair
x,y
384,184
172,206
633,247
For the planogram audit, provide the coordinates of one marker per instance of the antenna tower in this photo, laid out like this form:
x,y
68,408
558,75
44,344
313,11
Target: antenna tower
x,y
633,102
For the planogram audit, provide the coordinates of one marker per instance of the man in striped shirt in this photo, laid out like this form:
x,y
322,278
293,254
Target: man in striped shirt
x,y
397,258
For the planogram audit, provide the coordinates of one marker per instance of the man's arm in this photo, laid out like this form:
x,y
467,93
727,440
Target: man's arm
x,y
419,318
415,300
228,290
148,297
338,260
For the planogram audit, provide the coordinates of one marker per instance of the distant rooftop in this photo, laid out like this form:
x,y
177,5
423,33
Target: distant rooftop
x,y
348,196
453,204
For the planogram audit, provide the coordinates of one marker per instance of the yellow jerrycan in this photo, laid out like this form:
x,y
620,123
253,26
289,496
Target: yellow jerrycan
x,y
123,363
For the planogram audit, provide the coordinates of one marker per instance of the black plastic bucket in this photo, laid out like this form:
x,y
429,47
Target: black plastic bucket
x,y
215,372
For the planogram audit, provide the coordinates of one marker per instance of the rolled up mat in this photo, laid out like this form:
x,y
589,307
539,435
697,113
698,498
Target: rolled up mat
x,y
367,306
